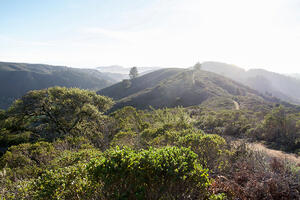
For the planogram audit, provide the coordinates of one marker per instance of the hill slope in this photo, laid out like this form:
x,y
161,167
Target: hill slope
x,y
18,78
278,85
182,87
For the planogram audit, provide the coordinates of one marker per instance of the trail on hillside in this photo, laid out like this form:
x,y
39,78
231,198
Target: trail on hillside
x,y
271,153
236,104
276,153
193,78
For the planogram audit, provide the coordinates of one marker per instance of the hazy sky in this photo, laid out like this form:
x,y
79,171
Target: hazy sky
x,y
168,33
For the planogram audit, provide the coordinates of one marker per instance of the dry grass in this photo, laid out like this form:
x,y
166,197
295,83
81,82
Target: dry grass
x,y
271,153
257,172
293,158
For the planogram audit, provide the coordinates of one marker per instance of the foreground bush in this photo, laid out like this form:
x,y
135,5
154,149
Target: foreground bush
x,y
162,173
27,160
64,183
210,149
165,173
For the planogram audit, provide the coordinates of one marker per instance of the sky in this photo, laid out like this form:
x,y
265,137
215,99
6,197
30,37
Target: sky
x,y
166,33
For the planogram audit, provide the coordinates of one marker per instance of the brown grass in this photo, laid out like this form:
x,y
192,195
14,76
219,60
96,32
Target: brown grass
x,y
275,153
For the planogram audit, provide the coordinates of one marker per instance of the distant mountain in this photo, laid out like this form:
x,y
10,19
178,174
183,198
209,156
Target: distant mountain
x,y
18,78
113,69
270,83
295,75
183,87
116,77
125,71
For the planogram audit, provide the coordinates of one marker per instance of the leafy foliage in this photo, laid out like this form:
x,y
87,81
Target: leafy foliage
x,y
126,83
64,183
133,73
169,172
197,66
61,143
210,149
58,111
280,129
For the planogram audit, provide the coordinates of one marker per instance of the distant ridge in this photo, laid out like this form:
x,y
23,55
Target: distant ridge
x,y
124,70
18,78
275,84
183,87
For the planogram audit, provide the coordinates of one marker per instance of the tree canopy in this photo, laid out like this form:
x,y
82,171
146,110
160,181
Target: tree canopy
x,y
133,73
197,66
59,111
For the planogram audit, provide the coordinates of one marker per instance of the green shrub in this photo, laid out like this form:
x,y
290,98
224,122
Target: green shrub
x,y
127,138
209,147
128,119
165,173
69,158
73,143
64,183
7,139
28,160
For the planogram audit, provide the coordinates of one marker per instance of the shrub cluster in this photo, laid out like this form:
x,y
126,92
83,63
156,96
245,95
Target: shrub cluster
x,y
60,143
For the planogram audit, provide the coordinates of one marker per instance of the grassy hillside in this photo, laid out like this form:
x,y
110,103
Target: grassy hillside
x,y
60,143
277,85
18,78
182,87
119,90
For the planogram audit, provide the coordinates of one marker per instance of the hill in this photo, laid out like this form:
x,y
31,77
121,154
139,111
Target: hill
x,y
63,145
184,87
295,75
277,85
18,78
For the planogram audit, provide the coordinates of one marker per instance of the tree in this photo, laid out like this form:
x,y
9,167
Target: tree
x,y
126,83
281,128
197,66
59,111
133,73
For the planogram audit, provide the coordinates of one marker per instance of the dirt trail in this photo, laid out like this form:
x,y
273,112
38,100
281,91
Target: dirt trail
x,y
276,153
237,105
193,78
